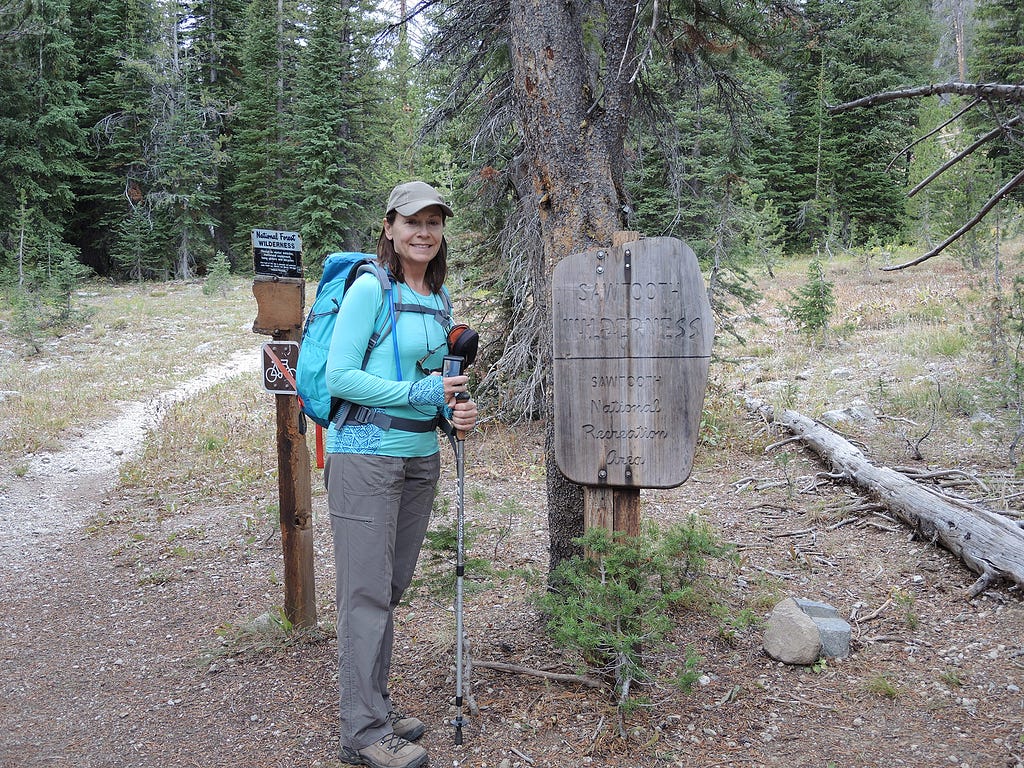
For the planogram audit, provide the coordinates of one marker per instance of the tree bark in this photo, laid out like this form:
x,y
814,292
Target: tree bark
x,y
574,122
989,544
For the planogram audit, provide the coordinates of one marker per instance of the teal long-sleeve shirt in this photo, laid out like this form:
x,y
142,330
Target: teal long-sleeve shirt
x,y
381,385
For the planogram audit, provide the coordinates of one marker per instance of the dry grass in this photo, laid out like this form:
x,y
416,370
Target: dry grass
x,y
914,345
138,339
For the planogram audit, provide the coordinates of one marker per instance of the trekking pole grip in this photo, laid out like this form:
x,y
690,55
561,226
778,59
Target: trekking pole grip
x,y
459,433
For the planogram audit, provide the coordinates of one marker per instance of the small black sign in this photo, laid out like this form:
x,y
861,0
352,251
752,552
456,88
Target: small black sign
x,y
279,359
278,254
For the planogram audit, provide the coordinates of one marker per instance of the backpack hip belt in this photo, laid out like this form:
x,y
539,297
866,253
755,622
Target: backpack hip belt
x,y
361,414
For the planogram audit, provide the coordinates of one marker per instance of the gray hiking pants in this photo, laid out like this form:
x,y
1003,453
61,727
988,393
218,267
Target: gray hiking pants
x,y
380,508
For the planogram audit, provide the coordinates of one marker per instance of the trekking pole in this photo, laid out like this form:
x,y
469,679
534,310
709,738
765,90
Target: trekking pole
x,y
453,367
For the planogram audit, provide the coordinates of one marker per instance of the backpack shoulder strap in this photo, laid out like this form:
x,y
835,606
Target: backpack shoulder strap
x,y
340,408
369,267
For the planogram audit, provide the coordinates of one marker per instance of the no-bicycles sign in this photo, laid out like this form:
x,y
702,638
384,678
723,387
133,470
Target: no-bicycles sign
x,y
632,344
279,359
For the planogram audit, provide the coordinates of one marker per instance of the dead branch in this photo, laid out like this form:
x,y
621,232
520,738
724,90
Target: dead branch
x,y
515,669
474,708
988,206
874,614
997,131
743,483
897,419
931,133
781,443
1001,91
820,479
962,478
879,526
521,755
782,508
989,93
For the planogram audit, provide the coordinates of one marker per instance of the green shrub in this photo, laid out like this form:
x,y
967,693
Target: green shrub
x,y
615,605
813,304
218,277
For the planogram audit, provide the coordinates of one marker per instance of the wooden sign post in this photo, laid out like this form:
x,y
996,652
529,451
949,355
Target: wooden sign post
x,y
632,345
280,295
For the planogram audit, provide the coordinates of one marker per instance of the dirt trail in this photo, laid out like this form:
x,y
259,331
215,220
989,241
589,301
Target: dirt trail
x,y
115,647
60,491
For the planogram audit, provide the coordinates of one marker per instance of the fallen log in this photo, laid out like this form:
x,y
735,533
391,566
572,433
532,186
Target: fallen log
x,y
989,544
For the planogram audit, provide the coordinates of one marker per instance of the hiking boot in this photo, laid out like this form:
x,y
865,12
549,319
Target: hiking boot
x,y
390,752
408,728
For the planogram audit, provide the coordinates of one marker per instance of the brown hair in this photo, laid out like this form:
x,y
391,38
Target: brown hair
x,y
437,269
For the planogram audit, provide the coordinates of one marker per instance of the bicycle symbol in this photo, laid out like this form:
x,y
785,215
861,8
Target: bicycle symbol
x,y
273,373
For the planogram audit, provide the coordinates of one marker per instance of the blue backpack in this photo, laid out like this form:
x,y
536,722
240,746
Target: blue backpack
x,y
340,271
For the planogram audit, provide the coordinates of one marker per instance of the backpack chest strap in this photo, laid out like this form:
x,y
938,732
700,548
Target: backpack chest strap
x,y
441,314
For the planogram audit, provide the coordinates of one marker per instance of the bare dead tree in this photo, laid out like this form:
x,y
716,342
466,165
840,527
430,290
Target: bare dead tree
x,y
985,95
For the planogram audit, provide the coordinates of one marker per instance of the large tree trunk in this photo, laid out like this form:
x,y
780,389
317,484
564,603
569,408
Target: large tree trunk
x,y
574,122
990,544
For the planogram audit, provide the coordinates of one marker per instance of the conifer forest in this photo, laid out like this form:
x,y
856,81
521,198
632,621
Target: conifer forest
x,y
145,139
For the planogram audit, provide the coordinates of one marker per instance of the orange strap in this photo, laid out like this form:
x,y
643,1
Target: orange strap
x,y
319,447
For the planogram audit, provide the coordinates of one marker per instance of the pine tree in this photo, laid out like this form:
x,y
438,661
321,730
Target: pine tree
x,y
812,305
878,45
117,39
182,155
338,116
40,144
263,185
216,40
839,176
998,55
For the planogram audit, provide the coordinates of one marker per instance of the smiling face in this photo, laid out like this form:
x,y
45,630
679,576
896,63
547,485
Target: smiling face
x,y
416,238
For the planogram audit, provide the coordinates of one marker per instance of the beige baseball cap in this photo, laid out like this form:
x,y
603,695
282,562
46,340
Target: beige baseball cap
x,y
414,196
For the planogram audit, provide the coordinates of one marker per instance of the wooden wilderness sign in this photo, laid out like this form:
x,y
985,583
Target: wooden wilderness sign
x,y
632,344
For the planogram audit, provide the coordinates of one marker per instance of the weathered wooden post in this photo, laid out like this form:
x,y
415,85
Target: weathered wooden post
x,y
280,301
632,345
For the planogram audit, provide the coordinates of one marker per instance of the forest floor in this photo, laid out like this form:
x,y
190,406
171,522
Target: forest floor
x,y
135,569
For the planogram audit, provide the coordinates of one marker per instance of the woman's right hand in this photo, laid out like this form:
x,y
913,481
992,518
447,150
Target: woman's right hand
x,y
454,386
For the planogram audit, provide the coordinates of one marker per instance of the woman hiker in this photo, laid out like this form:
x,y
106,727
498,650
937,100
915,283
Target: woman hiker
x,y
383,463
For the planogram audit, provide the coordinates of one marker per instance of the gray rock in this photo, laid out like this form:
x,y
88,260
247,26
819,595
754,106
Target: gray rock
x,y
799,631
853,413
791,635
835,637
816,609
